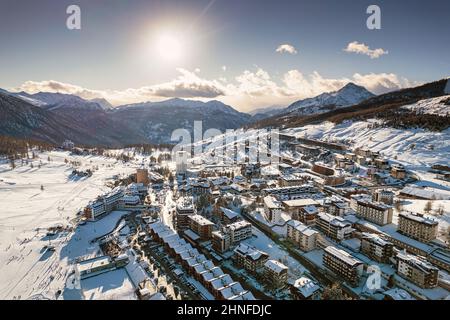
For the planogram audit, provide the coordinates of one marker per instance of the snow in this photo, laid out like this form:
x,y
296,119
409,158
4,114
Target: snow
x,y
435,106
112,285
410,147
26,268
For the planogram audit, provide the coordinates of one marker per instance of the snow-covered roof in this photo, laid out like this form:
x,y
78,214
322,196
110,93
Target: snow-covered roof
x,y
306,286
275,266
230,214
343,256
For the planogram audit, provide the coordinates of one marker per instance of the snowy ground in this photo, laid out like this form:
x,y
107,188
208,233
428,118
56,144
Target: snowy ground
x,y
26,269
112,285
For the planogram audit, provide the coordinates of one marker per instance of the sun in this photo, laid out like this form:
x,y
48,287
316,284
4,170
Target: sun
x,y
170,47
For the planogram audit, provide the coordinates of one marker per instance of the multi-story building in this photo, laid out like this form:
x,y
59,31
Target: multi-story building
x,y
142,176
185,208
334,227
249,258
336,206
377,248
369,210
303,236
384,196
201,226
398,172
417,270
294,192
417,226
304,210
272,209
275,273
182,162
343,264
304,289
104,204
231,235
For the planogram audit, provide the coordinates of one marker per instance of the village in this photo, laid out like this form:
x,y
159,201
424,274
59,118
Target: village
x,y
326,223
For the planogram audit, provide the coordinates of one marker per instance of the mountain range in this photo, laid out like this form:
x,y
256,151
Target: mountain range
x,y
54,117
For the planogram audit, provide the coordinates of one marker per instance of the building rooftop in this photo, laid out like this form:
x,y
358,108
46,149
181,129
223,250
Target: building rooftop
x,y
419,218
300,203
201,220
306,286
343,256
275,266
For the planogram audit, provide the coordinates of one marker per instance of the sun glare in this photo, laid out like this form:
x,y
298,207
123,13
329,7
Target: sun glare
x,y
169,47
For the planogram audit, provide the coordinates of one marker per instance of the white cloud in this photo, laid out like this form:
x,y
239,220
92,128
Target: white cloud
x,y
249,90
286,48
361,48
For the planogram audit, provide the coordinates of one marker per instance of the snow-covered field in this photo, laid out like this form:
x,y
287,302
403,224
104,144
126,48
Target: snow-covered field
x,y
26,268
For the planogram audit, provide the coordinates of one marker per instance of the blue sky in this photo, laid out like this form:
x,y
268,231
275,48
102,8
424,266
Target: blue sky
x,y
226,49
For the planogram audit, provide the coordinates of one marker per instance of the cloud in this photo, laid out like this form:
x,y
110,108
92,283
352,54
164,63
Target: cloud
x,y
249,90
286,48
361,48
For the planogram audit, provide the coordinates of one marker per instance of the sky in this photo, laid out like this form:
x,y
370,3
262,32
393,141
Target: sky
x,y
249,54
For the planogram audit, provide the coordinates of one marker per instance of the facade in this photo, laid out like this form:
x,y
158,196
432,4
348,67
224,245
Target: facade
x,y
272,209
377,248
343,264
276,273
336,207
104,204
334,227
417,226
181,162
185,208
384,196
231,235
369,210
201,226
142,176
249,258
398,172
417,270
304,210
303,236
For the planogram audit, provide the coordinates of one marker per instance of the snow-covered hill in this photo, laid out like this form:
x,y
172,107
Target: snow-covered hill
x,y
349,95
413,147
439,106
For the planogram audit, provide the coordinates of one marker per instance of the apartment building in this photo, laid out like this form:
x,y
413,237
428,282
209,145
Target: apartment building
x,y
417,226
304,289
185,208
201,226
272,209
417,270
231,235
104,204
275,273
343,264
304,210
249,258
376,247
336,206
334,227
303,236
369,210
384,196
